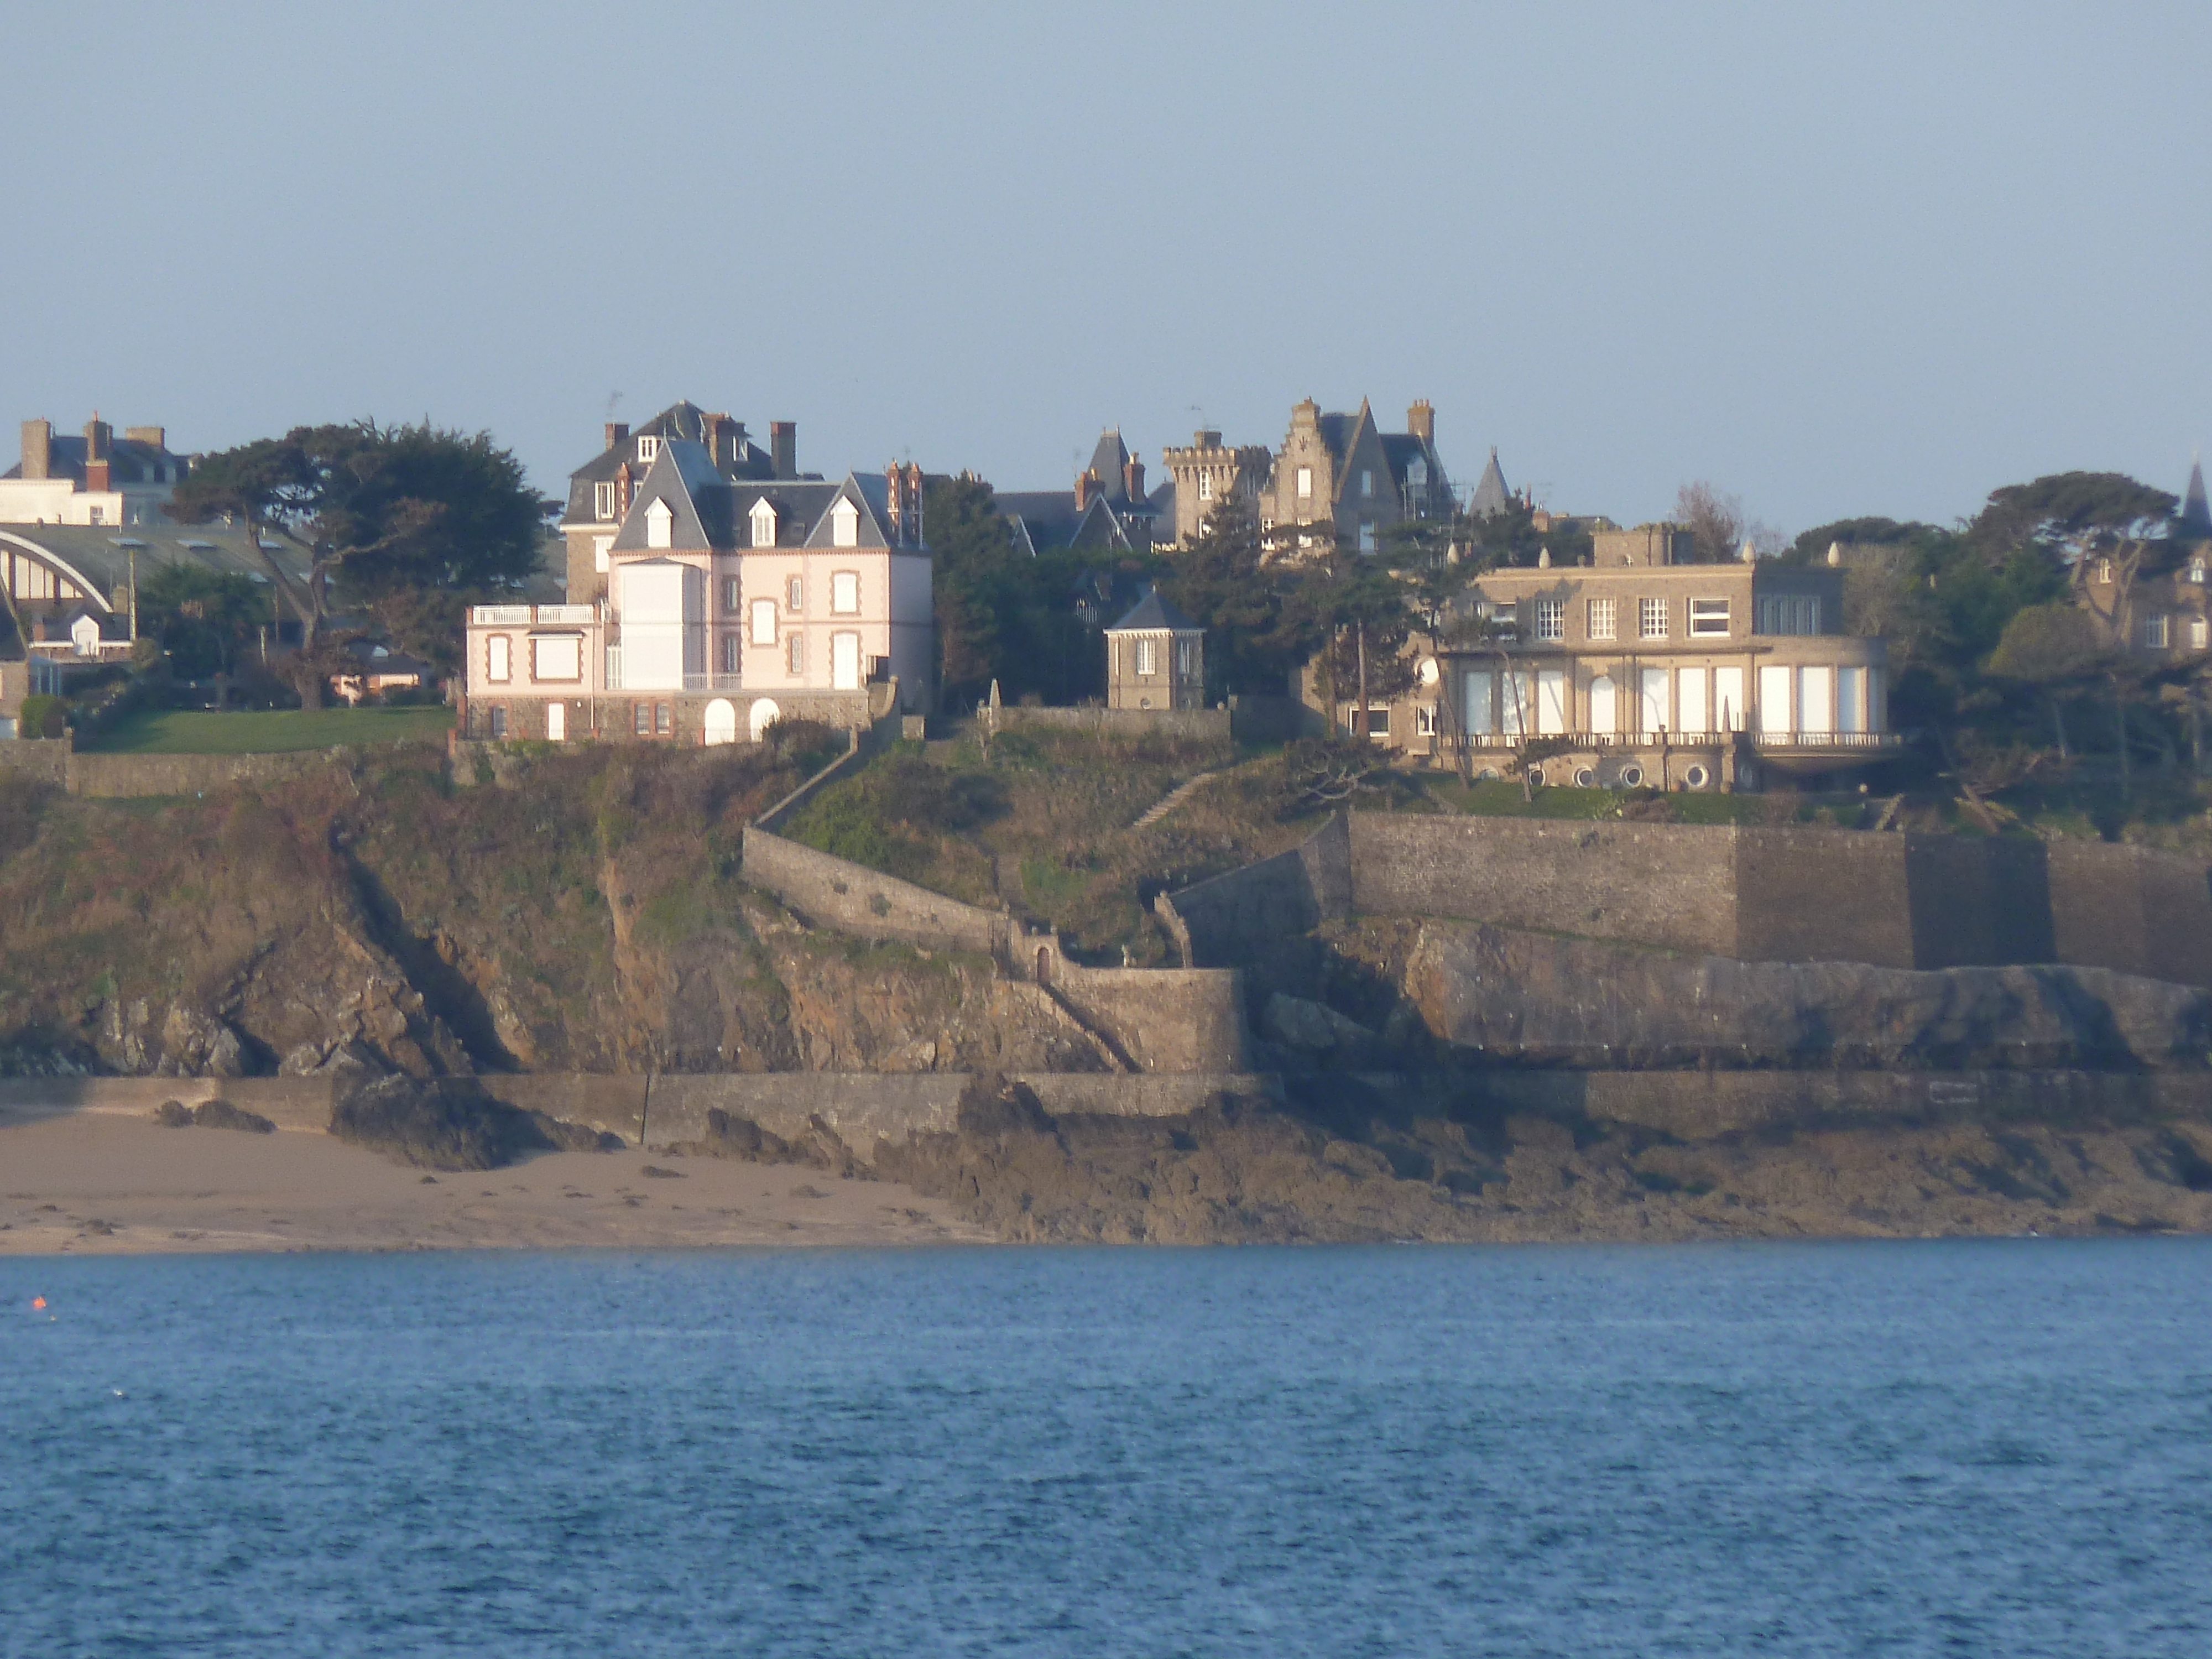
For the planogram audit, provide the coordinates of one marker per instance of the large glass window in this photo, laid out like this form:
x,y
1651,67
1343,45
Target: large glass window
x,y
1651,619
1774,699
763,621
1604,619
1652,704
1551,619
1708,619
1728,699
845,592
1480,705
498,664
1691,712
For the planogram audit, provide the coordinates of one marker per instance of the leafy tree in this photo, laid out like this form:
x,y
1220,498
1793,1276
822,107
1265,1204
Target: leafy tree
x,y
1001,614
1228,579
378,511
204,619
2053,648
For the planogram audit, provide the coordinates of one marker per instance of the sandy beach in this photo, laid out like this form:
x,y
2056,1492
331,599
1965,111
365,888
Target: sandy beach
x,y
106,1182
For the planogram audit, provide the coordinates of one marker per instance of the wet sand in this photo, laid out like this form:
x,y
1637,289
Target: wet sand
x,y
102,1182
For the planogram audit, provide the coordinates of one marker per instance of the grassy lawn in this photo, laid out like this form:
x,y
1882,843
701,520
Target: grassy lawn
x,y
269,730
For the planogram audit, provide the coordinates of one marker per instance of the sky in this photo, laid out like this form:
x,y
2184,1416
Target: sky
x,y
1836,260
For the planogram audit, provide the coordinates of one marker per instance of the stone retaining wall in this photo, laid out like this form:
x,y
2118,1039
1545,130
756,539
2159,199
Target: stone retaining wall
x,y
836,893
125,775
1760,895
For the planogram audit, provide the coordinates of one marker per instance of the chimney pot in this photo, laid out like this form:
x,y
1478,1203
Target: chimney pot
x,y
783,448
1421,421
38,449
99,438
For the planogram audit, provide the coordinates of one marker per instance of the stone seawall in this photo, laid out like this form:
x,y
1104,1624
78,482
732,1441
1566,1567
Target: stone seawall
x,y
836,893
1761,894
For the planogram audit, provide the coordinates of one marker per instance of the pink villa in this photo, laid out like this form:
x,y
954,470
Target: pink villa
x,y
711,591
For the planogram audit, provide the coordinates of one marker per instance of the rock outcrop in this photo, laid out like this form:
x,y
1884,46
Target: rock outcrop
x,y
1534,999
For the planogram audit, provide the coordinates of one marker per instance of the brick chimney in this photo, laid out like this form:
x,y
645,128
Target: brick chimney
x,y
783,448
154,437
38,449
1085,484
98,455
617,431
1133,479
710,433
895,491
913,489
1421,422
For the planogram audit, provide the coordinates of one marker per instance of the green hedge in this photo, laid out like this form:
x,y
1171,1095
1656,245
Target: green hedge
x,y
42,715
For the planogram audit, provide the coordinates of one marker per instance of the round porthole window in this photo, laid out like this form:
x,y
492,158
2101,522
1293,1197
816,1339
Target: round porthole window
x,y
1584,777
1536,777
1631,776
1488,775
1698,777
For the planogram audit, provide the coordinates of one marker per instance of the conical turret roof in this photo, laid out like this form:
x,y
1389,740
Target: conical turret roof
x,y
2196,515
1490,496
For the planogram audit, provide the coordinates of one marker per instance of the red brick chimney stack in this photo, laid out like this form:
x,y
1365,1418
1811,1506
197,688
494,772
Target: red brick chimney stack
x,y
1421,422
1133,479
99,449
1084,483
617,431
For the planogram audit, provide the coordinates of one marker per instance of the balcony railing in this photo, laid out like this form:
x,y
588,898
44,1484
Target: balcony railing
x,y
691,682
1605,740
526,616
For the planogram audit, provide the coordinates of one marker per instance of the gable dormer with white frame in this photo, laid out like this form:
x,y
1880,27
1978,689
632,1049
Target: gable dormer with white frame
x,y
660,523
844,524
763,523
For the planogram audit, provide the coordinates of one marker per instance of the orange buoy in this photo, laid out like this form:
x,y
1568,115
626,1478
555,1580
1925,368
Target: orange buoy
x,y
39,1302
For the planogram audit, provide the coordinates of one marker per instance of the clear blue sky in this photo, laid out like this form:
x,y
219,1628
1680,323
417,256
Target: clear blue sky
x,y
1837,259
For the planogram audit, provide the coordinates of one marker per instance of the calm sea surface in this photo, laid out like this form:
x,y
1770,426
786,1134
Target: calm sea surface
x,y
1981,1449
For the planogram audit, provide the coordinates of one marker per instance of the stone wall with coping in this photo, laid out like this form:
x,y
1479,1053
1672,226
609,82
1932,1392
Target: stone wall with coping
x,y
1761,894
1120,722
850,898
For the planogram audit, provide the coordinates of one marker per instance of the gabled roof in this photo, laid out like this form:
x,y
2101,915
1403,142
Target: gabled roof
x,y
2196,515
1152,613
130,460
1490,496
800,504
684,419
682,475
871,497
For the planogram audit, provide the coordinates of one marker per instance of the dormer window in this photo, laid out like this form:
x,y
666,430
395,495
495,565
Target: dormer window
x,y
1417,473
660,523
603,501
648,448
844,524
763,516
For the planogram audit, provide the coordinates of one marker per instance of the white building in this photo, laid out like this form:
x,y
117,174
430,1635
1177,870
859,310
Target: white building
x,y
729,603
92,480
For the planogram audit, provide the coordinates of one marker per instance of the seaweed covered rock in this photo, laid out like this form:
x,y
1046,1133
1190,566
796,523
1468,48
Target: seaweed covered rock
x,y
728,1135
451,1123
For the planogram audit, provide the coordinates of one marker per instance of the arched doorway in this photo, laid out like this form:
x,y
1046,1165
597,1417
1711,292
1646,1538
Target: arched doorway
x,y
720,721
763,714
1044,965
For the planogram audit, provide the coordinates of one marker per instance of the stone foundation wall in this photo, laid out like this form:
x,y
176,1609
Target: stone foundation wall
x,y
125,775
1760,895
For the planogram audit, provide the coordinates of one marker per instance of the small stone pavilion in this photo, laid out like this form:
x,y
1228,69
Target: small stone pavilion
x,y
1155,659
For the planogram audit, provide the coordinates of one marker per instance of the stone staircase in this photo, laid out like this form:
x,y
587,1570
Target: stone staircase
x,y
1168,803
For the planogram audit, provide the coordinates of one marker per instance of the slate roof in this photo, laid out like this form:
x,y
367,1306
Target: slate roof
x,y
130,460
2196,515
685,419
683,476
1153,613
1490,496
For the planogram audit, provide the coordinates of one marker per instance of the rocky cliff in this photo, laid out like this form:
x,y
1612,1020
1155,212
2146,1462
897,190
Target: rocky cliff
x,y
583,917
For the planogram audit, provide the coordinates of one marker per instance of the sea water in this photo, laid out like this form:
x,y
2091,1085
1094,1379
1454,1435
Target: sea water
x,y
1998,1448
